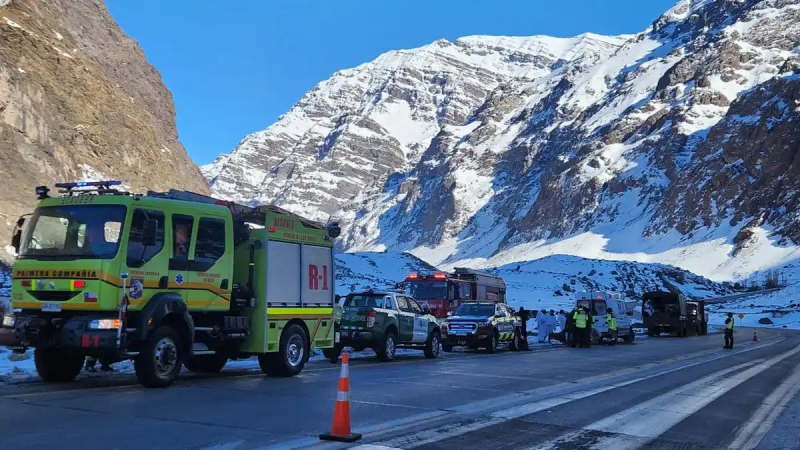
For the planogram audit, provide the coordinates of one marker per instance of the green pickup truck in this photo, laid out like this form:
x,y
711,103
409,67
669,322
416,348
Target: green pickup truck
x,y
384,322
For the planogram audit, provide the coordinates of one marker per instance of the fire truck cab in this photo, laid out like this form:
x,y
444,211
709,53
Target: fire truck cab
x,y
442,292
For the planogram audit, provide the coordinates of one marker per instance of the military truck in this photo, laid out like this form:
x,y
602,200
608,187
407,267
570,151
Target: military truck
x,y
167,279
482,324
384,322
667,312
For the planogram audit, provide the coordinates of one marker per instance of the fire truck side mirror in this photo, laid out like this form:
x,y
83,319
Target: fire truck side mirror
x,y
16,240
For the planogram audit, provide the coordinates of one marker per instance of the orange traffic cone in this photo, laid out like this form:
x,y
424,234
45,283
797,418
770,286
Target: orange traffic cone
x,y
755,338
340,430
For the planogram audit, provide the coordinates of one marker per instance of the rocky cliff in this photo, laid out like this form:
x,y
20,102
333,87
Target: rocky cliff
x,y
675,145
78,100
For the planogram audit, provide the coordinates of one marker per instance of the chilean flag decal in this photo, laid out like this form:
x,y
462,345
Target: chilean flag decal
x,y
90,297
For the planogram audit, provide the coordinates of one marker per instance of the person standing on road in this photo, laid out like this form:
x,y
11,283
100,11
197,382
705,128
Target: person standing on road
x,y
561,321
611,321
729,331
571,330
551,325
524,315
581,328
541,326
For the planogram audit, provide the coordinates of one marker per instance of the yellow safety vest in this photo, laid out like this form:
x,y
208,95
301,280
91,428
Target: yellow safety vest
x,y
729,325
580,320
612,322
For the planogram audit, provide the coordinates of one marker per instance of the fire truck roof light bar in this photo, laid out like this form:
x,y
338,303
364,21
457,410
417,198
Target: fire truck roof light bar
x,y
76,184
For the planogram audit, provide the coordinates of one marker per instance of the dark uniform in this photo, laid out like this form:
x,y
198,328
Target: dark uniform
x,y
524,315
729,331
583,331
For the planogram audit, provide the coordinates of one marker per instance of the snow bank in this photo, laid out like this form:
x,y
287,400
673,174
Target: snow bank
x,y
781,308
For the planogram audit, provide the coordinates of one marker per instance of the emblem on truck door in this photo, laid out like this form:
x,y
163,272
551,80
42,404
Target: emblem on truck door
x,y
179,279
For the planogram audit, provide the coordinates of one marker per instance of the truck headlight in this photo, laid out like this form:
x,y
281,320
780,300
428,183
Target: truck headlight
x,y
104,324
9,320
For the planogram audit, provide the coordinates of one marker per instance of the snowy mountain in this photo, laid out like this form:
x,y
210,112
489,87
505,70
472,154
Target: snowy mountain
x,y
675,145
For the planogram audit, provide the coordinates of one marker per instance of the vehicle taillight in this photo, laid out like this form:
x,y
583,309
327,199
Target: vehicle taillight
x,y
79,284
26,283
371,319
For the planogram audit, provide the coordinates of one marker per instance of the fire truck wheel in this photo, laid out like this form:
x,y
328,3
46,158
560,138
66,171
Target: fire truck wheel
x,y
447,348
206,363
268,363
159,361
56,366
491,347
293,352
389,346
432,346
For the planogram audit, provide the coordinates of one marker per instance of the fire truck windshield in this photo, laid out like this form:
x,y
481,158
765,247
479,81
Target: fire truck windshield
x,y
424,290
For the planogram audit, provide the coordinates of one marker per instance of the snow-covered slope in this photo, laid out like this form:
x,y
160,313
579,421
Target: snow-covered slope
x,y
357,271
551,282
675,145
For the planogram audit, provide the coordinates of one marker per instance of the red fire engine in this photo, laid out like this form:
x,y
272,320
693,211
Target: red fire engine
x,y
443,291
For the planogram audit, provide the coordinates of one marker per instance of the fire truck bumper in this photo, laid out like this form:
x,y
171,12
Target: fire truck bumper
x,y
26,331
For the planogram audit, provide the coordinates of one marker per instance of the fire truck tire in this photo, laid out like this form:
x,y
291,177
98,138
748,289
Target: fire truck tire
x,y
432,346
268,364
55,365
447,348
160,358
491,347
293,353
388,346
206,363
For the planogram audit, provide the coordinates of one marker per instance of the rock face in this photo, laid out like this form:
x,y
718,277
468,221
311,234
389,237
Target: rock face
x,y
675,145
78,100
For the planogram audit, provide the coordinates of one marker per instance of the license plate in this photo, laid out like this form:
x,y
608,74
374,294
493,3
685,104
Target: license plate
x,y
51,307
336,338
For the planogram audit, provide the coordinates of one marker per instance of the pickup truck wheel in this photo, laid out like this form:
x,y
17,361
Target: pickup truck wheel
x,y
206,363
492,346
447,348
332,354
160,358
432,345
516,342
628,338
388,347
55,365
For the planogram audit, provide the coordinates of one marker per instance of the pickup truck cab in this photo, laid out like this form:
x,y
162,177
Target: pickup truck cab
x,y
386,321
482,325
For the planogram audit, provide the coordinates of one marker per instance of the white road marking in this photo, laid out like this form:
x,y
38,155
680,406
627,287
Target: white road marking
x,y
640,424
754,430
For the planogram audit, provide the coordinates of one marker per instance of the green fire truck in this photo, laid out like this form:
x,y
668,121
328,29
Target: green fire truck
x,y
167,279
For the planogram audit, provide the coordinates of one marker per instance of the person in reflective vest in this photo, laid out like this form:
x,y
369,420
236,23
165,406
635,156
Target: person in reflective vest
x,y
611,321
582,336
729,331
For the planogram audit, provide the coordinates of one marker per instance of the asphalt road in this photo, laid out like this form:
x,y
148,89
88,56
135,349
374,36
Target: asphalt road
x,y
660,393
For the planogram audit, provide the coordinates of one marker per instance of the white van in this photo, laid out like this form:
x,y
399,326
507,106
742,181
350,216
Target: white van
x,y
598,303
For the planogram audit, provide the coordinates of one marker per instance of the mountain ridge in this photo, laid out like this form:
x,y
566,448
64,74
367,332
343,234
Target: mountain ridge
x,y
605,155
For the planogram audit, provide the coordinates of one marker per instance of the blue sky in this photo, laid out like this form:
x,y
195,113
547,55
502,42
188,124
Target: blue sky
x,y
234,66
